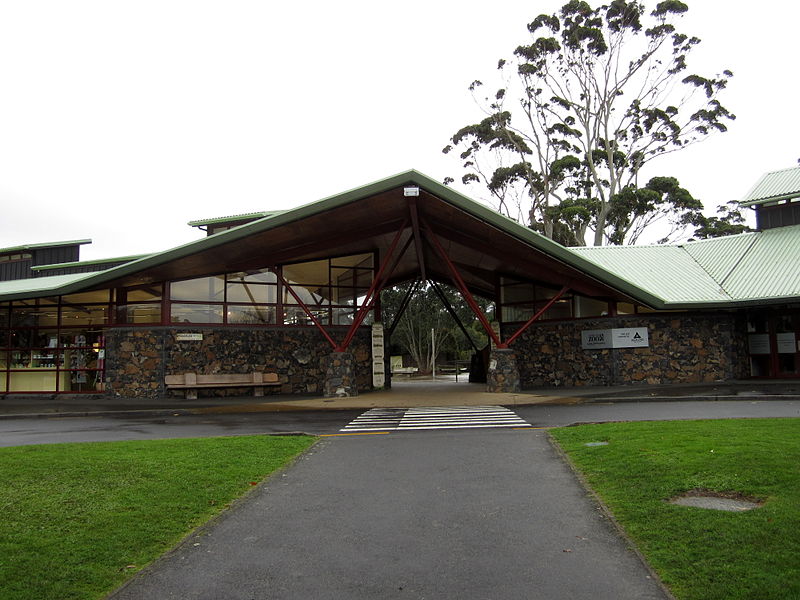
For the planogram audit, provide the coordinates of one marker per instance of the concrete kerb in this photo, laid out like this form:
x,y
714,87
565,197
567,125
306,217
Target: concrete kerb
x,y
406,396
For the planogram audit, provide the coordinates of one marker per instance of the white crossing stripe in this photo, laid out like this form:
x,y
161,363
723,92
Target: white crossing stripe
x,y
435,417
376,419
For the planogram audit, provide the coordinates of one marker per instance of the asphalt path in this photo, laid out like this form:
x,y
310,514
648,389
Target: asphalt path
x,y
471,514
48,430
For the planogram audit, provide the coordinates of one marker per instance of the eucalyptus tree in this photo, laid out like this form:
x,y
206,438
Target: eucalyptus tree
x,y
593,97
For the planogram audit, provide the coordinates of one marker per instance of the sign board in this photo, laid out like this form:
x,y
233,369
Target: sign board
x,y
189,337
619,337
378,370
786,343
758,343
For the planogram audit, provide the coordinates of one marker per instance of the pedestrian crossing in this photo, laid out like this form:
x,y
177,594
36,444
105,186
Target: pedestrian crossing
x,y
435,417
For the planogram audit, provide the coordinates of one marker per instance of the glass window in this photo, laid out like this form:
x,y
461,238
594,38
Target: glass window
x,y
145,293
139,313
30,315
251,315
351,277
251,293
310,296
589,307
297,316
203,289
196,313
349,296
97,296
343,316
84,315
517,312
262,276
81,338
625,308
517,293
561,309
315,273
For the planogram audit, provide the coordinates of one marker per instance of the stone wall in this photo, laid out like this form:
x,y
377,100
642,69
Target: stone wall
x,y
137,359
684,348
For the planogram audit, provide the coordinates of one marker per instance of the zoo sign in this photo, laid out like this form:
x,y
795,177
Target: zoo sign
x,y
621,337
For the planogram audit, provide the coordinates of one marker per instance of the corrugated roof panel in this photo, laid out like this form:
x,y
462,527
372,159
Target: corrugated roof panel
x,y
777,184
45,245
770,269
668,272
718,256
86,263
252,215
38,286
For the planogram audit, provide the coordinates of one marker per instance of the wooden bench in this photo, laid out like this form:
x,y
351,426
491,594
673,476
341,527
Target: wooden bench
x,y
191,382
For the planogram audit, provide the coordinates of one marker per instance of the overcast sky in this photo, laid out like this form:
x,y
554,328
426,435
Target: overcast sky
x,y
121,121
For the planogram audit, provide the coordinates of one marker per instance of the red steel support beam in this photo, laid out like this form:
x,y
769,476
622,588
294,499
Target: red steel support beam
x,y
463,289
375,288
304,307
552,301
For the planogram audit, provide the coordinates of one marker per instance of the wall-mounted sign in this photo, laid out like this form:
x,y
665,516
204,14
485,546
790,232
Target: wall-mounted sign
x,y
378,353
786,343
758,343
619,337
189,337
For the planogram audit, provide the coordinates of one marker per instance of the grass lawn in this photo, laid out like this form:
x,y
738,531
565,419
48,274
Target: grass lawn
x,y
77,520
702,554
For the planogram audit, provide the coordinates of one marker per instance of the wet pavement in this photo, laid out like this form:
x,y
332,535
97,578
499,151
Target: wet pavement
x,y
447,514
405,394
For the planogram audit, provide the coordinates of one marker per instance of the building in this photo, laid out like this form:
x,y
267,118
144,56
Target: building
x,y
296,292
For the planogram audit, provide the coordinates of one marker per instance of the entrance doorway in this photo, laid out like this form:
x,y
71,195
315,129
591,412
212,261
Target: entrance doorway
x,y
433,338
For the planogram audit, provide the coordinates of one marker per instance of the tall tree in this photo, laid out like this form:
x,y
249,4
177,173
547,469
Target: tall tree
x,y
729,222
593,97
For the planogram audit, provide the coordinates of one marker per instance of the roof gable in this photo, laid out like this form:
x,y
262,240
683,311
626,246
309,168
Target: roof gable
x,y
774,186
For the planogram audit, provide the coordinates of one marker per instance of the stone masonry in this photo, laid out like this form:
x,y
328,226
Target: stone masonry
x,y
340,378
137,359
684,348
502,374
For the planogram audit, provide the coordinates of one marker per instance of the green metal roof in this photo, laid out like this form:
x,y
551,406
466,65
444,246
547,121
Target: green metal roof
x,y
668,272
770,268
713,273
412,177
38,287
773,187
252,215
88,263
748,268
25,247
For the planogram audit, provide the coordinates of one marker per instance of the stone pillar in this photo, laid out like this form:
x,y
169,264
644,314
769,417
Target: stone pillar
x,y
340,376
502,374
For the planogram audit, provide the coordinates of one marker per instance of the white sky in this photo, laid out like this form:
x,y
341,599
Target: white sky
x,y
121,121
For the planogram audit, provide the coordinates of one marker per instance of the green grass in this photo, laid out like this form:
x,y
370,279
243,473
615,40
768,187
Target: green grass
x,y
702,554
77,520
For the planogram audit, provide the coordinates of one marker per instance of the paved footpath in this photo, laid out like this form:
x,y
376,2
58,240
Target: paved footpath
x,y
477,514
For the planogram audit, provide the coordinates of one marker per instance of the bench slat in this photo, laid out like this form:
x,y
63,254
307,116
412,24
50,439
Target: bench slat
x,y
191,382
